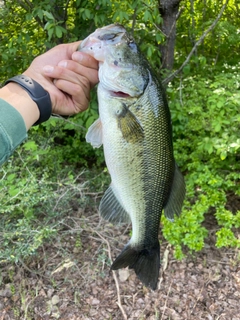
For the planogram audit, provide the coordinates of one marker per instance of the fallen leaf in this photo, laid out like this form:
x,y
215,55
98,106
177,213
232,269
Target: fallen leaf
x,y
123,274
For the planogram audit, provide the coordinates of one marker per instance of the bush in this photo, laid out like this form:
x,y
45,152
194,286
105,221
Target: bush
x,y
206,126
42,181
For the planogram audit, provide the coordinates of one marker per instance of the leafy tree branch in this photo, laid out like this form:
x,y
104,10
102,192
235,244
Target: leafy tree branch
x,y
174,74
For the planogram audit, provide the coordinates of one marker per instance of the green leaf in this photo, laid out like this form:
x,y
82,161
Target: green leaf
x,y
13,191
11,176
147,16
186,69
58,31
159,37
217,127
50,33
40,13
48,15
87,13
4,56
29,16
30,145
223,155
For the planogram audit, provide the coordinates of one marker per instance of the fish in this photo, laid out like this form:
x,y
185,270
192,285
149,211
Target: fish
x,y
134,128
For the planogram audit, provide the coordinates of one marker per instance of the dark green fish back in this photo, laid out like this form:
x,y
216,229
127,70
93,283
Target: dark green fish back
x,y
158,159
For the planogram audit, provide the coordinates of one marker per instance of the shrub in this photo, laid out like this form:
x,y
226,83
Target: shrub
x,y
206,126
40,183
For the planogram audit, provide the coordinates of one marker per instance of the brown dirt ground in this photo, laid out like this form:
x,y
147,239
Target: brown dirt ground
x,y
69,279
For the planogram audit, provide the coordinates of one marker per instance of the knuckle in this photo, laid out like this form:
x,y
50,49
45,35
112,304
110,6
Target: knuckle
x,y
85,82
61,71
73,66
82,87
78,91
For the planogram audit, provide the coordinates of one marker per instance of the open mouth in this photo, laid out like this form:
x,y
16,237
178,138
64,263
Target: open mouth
x,y
120,94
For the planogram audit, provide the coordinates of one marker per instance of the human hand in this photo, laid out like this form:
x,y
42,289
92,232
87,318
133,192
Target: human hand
x,y
68,75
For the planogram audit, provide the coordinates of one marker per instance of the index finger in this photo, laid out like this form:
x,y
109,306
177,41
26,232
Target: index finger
x,y
85,60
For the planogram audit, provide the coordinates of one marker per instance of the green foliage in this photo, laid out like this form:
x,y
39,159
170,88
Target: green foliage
x,y
206,126
39,185
220,45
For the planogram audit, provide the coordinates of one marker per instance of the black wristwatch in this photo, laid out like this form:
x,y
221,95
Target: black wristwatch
x,y
37,93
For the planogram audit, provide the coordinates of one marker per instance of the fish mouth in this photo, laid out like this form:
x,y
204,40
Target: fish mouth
x,y
120,94
115,50
113,90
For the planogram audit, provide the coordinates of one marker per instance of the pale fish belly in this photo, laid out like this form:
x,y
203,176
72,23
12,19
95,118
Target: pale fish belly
x,y
125,163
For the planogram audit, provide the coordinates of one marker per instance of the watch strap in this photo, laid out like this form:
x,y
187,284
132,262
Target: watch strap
x,y
37,93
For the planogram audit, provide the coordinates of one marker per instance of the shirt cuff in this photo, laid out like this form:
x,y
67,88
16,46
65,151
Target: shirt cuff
x,y
12,130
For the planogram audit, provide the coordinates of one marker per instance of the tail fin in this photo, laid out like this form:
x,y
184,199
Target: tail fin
x,y
145,262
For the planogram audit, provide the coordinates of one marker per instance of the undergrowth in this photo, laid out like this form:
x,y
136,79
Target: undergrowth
x,y
55,171
42,183
206,127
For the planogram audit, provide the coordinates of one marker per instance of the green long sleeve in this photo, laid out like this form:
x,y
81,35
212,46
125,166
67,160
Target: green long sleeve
x,y
12,130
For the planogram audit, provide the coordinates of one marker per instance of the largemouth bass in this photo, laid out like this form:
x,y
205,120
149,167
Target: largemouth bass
x,y
134,127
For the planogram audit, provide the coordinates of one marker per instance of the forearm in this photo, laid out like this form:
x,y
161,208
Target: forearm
x,y
19,99
18,112
12,130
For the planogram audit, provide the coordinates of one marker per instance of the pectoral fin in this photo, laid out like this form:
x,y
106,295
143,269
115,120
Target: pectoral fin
x,y
176,198
129,125
111,209
94,134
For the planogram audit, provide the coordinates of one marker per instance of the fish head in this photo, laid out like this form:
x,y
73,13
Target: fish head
x,y
122,68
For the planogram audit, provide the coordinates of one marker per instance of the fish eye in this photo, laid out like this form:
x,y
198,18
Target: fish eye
x,y
107,36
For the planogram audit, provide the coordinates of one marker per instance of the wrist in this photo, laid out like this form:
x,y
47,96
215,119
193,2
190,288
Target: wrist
x,y
37,93
18,97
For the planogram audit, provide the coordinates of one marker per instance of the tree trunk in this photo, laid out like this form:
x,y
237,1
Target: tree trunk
x,y
169,10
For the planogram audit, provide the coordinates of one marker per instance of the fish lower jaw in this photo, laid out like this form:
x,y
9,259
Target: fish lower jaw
x,y
116,94
119,94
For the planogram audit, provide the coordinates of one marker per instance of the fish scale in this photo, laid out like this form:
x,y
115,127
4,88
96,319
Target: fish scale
x,y
134,127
